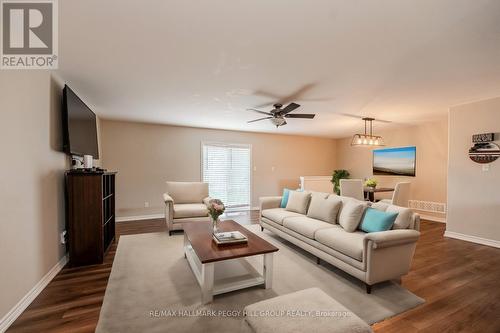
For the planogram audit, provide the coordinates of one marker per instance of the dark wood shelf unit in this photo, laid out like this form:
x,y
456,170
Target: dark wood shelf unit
x,y
90,201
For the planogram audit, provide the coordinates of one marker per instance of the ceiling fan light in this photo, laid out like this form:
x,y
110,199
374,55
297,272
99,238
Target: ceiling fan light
x,y
278,121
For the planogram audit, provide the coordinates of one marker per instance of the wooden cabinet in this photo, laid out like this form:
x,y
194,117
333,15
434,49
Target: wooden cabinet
x,y
90,210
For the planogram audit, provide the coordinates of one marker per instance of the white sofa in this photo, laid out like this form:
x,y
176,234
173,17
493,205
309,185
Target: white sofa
x,y
320,229
185,202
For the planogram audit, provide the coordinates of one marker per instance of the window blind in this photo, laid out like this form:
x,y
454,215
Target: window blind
x,y
226,169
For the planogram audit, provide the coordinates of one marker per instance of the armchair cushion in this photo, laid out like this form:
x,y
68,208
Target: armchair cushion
x,y
190,210
187,192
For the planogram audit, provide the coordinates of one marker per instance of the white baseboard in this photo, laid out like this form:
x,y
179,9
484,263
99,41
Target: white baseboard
x,y
16,311
432,218
140,217
473,239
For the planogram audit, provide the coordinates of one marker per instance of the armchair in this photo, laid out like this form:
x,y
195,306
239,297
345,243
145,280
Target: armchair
x,y
185,202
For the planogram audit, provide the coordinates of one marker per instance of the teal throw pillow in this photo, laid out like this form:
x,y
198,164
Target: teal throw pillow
x,y
284,198
375,220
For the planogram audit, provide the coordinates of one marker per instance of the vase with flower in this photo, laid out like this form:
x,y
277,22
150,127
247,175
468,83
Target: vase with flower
x,y
215,209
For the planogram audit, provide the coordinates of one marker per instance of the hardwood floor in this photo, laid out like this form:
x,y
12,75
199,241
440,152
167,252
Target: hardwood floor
x,y
458,280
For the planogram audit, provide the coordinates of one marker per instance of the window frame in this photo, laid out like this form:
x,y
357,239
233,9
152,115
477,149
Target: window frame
x,y
250,177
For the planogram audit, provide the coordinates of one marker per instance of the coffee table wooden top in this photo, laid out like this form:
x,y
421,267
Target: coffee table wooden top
x,y
199,235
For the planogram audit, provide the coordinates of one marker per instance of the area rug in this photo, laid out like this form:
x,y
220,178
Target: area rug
x,y
152,288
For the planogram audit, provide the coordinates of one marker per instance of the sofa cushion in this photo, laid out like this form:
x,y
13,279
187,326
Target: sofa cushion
x,y
278,214
403,220
351,214
375,220
190,210
187,192
348,243
298,202
305,226
324,209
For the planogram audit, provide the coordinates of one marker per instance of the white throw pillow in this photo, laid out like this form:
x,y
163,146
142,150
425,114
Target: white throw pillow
x,y
351,214
324,209
403,220
298,202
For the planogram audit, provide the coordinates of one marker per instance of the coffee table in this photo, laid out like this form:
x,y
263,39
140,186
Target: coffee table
x,y
222,269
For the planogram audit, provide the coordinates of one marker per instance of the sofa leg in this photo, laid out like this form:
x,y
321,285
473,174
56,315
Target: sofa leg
x,y
318,260
368,288
170,232
261,228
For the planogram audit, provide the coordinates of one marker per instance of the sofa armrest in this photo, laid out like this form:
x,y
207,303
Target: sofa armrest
x,y
269,202
207,200
388,254
389,238
167,198
169,211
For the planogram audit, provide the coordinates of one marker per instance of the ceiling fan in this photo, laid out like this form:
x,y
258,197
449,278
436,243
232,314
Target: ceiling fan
x,y
278,115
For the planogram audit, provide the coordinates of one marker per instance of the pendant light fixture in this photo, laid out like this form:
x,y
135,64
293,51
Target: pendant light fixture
x,y
367,139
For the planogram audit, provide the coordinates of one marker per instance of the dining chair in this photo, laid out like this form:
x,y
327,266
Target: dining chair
x,y
400,196
352,188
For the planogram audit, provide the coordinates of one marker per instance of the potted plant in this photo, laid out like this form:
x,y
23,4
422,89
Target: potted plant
x,y
371,182
215,209
336,177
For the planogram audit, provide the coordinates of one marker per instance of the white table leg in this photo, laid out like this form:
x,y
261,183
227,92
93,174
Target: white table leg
x,y
268,270
207,285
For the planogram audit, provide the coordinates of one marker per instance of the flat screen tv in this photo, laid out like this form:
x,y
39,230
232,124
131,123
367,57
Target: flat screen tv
x,y
79,126
395,161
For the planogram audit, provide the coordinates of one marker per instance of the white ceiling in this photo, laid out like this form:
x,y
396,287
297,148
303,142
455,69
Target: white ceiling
x,y
202,63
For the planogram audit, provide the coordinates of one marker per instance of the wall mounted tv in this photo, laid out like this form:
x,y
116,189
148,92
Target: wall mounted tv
x,y
79,126
395,161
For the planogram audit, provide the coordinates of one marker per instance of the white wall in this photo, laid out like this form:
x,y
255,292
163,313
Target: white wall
x,y
473,194
31,178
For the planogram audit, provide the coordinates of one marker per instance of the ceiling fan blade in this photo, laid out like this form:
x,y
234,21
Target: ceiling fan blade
x,y
289,108
266,113
252,121
361,117
300,115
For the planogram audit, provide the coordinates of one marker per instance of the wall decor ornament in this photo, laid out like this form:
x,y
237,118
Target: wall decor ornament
x,y
484,149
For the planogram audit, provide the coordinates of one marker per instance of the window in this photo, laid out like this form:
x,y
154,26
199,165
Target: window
x,y
226,169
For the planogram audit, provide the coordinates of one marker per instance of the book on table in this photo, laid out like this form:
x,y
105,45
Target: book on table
x,y
229,237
